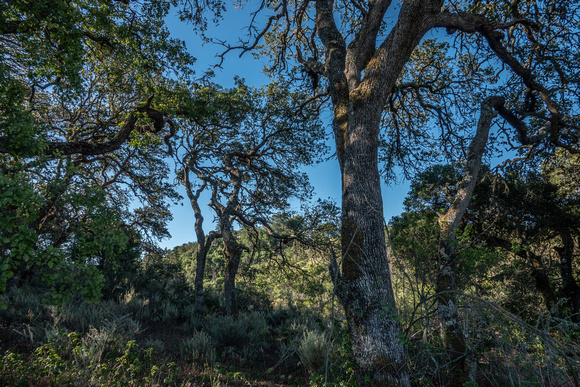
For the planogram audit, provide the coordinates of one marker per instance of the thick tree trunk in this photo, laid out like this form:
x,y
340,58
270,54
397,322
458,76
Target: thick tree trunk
x,y
358,100
365,285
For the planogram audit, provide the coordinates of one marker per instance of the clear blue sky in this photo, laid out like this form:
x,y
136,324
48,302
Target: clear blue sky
x,y
325,177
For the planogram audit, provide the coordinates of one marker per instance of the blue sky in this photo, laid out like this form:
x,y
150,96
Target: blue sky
x,y
324,177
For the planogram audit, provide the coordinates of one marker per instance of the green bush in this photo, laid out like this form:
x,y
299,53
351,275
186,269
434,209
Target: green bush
x,y
244,336
312,350
20,306
99,358
199,348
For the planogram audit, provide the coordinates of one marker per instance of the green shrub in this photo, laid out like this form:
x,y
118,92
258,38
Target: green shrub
x,y
246,334
167,312
199,348
312,350
158,346
20,306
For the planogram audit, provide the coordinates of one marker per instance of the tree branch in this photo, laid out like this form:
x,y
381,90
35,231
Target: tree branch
x,y
87,148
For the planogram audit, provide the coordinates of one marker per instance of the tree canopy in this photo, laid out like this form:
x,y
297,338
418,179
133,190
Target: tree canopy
x,y
81,127
97,100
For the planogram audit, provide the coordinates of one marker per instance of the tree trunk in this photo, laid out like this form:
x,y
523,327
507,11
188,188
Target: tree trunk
x,y
232,253
570,289
358,100
232,249
201,259
203,245
447,304
453,337
365,285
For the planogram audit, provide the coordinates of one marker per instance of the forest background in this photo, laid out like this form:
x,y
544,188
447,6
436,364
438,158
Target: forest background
x,y
107,118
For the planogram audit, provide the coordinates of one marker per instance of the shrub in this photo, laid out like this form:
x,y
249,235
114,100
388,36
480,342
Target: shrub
x,y
199,348
312,350
246,334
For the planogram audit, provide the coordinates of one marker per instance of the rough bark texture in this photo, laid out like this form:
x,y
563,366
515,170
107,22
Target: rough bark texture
x,y
453,336
368,300
232,253
361,67
364,287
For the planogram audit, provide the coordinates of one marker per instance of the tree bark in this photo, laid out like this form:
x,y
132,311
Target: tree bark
x,y
200,262
232,249
367,294
203,242
232,253
454,339
570,289
358,100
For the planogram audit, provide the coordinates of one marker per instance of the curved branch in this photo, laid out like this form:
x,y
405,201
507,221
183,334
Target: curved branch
x,y
87,148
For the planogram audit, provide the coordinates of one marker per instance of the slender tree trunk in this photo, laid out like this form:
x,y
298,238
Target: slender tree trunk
x,y
203,243
453,336
233,253
447,304
201,259
232,249
570,289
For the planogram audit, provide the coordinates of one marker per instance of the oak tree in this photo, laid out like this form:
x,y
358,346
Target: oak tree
x,y
81,129
246,152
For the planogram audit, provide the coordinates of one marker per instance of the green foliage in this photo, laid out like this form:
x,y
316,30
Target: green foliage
x,y
70,73
243,337
125,364
161,290
312,350
502,247
199,348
